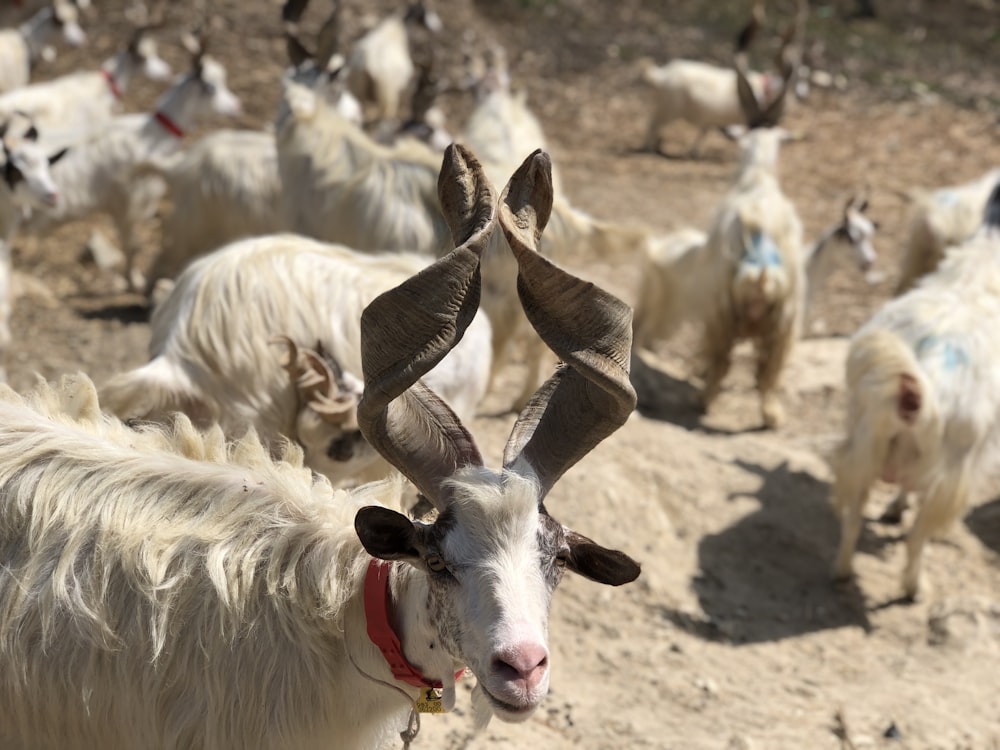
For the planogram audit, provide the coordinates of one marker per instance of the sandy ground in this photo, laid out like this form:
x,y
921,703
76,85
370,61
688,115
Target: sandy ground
x,y
733,637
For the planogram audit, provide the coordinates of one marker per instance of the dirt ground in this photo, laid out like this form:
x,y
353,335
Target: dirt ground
x,y
733,638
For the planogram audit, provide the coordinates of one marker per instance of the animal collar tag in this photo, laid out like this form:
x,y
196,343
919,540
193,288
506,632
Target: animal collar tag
x,y
112,84
384,637
169,125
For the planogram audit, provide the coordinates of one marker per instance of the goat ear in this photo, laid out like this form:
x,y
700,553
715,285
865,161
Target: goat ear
x,y
386,534
600,564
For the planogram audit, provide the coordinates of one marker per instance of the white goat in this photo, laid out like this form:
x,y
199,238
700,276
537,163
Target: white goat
x,y
922,385
341,186
79,104
25,185
97,176
379,65
707,95
20,48
212,354
676,271
227,186
18,11
502,129
157,590
756,281
939,220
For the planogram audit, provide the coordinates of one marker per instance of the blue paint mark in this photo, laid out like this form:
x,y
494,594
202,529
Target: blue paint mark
x,y
951,354
946,198
761,252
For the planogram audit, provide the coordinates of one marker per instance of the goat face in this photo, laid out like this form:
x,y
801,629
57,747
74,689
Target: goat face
x,y
493,558
143,52
66,18
216,96
26,173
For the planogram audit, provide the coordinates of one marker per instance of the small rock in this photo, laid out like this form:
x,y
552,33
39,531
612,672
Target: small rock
x,y
103,252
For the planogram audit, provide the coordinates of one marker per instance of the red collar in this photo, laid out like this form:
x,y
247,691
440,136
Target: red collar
x,y
112,84
168,124
380,630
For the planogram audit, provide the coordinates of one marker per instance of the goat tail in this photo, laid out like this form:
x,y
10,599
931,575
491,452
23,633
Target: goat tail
x,y
152,392
894,425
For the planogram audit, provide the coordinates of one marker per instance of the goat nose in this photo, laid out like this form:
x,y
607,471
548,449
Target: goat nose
x,y
524,662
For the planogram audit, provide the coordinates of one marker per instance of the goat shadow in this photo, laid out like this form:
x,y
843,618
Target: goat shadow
x,y
984,523
126,312
665,398
768,576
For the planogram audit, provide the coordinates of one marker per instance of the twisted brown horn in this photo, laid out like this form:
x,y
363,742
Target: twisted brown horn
x,y
406,331
590,395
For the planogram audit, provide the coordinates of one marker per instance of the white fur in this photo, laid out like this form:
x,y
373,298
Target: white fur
x,y
69,108
158,589
380,67
923,388
756,283
96,176
939,220
20,48
699,93
212,356
36,189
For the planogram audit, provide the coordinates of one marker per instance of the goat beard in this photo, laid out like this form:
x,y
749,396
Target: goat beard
x,y
482,711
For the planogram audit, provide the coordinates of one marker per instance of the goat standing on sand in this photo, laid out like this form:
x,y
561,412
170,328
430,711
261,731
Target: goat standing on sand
x,y
150,600
755,261
923,388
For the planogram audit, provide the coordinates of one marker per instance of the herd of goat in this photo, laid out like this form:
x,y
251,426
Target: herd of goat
x,y
208,551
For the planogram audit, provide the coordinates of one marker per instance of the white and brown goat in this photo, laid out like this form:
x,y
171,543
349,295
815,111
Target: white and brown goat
x,y
158,590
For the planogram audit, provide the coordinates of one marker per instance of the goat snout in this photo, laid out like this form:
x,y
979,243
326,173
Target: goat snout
x,y
522,667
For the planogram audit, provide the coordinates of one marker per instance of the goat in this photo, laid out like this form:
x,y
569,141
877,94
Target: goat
x,y
84,102
379,65
17,12
706,95
676,272
502,129
921,382
756,279
157,589
211,356
341,186
96,177
226,185
939,220
20,48
26,184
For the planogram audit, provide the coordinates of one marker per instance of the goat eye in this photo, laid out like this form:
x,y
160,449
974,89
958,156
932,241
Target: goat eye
x,y
435,563
562,559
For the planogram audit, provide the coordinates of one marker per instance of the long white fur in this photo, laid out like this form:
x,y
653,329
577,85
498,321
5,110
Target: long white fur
x,y
699,93
340,186
940,219
923,388
380,67
96,176
191,595
21,47
211,351
749,297
36,189
70,107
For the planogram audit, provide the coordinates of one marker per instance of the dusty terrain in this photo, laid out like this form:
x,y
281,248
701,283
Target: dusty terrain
x,y
733,637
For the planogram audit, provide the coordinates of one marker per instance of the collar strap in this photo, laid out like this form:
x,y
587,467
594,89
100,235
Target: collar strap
x,y
112,83
380,630
169,125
